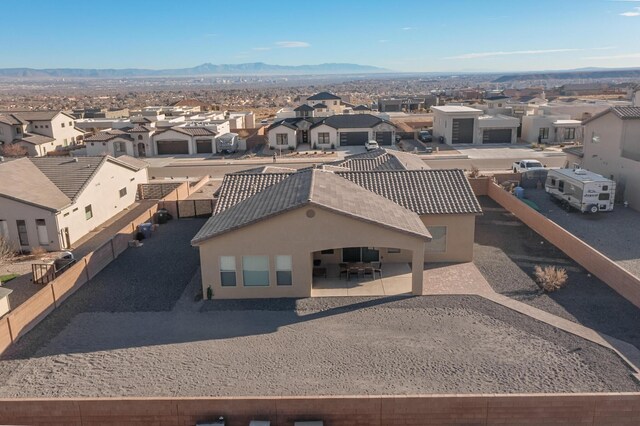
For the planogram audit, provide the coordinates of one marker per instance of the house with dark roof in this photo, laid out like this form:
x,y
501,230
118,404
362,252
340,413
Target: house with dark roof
x,y
611,147
273,232
52,202
39,132
330,132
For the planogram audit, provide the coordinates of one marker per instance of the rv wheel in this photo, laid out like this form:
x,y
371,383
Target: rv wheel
x,y
593,209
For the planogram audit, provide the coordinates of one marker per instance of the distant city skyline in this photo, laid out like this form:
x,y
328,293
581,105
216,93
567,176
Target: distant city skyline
x,y
404,36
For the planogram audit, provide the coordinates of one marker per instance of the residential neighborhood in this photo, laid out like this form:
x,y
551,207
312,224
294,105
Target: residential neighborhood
x,y
379,214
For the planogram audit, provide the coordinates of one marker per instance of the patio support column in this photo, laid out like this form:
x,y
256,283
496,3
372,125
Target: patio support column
x,y
417,267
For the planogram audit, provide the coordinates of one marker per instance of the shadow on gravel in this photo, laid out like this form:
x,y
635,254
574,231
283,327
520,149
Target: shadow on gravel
x,y
506,252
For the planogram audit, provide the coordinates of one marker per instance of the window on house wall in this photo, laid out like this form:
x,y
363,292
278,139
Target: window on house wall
x,y
43,234
88,212
119,147
329,251
23,236
570,133
70,123
255,271
4,230
123,192
283,270
227,271
438,243
393,250
18,130
544,133
139,137
282,139
61,124
323,138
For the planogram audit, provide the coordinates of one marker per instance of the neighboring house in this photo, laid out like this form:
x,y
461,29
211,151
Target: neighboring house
x,y
409,104
185,141
133,141
612,149
551,129
330,132
392,216
52,202
38,132
464,125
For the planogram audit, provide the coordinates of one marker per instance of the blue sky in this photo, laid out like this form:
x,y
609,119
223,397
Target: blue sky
x,y
401,35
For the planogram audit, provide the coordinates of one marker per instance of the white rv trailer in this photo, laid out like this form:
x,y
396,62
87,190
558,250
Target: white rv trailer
x,y
581,189
227,143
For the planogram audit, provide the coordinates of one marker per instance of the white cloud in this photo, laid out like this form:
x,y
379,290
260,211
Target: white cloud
x,y
406,28
625,56
521,52
631,13
292,44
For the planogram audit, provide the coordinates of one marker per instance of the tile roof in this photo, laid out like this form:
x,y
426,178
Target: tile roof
x,y
108,135
191,131
381,159
70,175
132,162
323,96
627,111
315,188
140,128
421,191
304,107
238,187
35,139
268,169
23,181
36,115
11,119
319,106
361,108
346,121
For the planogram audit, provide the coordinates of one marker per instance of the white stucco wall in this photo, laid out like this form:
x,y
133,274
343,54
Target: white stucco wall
x,y
291,138
11,211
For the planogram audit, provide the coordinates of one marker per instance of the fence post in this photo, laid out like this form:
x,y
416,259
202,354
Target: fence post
x,y
113,250
9,327
53,293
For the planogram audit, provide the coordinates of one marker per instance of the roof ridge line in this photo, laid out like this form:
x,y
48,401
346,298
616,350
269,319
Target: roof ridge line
x,y
311,183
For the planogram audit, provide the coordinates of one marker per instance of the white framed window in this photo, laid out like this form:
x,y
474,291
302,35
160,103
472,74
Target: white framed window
x,y
282,139
438,243
570,133
228,271
43,234
123,192
283,270
544,133
255,271
88,212
4,229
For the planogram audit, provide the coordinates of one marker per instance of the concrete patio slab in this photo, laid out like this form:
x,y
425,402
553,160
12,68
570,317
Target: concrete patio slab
x,y
396,279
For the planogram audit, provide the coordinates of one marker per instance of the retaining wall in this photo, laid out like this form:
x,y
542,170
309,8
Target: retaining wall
x,y
532,409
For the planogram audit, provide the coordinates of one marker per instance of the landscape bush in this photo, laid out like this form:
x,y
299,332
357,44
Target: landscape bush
x,y
38,252
551,278
7,251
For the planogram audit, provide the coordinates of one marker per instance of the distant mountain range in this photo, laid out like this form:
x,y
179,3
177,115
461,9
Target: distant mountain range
x,y
254,68
585,73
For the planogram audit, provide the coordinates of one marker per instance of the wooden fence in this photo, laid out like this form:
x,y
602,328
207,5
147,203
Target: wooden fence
x,y
18,322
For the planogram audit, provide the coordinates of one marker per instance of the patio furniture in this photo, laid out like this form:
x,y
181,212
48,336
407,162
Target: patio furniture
x,y
353,270
320,271
377,268
368,270
344,269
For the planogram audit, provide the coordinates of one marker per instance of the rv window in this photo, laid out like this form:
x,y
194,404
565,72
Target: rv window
x,y
604,196
605,187
561,185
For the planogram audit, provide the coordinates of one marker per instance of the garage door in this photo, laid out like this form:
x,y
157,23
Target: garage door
x,y
384,138
462,130
496,136
204,147
173,147
353,138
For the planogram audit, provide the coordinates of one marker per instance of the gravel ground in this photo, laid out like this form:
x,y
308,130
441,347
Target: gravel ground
x,y
320,346
607,232
506,252
146,336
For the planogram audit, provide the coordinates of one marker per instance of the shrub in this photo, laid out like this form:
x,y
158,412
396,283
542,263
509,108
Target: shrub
x,y
13,150
551,278
38,252
7,251
475,172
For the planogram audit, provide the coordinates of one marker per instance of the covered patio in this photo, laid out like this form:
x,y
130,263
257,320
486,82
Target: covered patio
x,y
393,279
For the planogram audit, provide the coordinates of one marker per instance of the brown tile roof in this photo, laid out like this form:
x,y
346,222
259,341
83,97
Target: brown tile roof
x,y
35,139
624,113
11,119
23,181
191,131
238,187
140,128
317,188
36,115
108,135
421,191
381,159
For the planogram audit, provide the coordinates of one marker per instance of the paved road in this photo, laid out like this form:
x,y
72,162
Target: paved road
x,y
492,164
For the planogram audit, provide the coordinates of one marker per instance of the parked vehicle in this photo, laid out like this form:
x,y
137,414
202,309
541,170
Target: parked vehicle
x,y
425,136
371,145
227,143
581,189
526,165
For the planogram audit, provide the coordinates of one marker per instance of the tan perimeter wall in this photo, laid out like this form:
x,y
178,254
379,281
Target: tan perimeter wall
x,y
520,409
618,278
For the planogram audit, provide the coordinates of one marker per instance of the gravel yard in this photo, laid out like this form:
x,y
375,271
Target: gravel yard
x,y
135,330
506,252
614,233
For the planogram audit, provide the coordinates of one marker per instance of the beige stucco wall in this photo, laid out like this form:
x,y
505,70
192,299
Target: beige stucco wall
x,y
103,193
291,138
295,234
4,305
605,156
459,239
11,211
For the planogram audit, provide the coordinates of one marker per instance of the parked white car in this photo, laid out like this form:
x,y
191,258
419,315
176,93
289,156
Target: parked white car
x,y
371,145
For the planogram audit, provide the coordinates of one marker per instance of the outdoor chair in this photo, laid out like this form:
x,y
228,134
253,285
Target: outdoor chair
x,y
368,270
377,269
344,270
353,271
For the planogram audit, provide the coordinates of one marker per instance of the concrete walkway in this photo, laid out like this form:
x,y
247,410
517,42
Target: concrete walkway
x,y
395,279
465,278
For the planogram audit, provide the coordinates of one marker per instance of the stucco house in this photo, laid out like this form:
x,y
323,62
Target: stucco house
x,y
270,228
329,132
52,202
465,125
39,132
612,148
